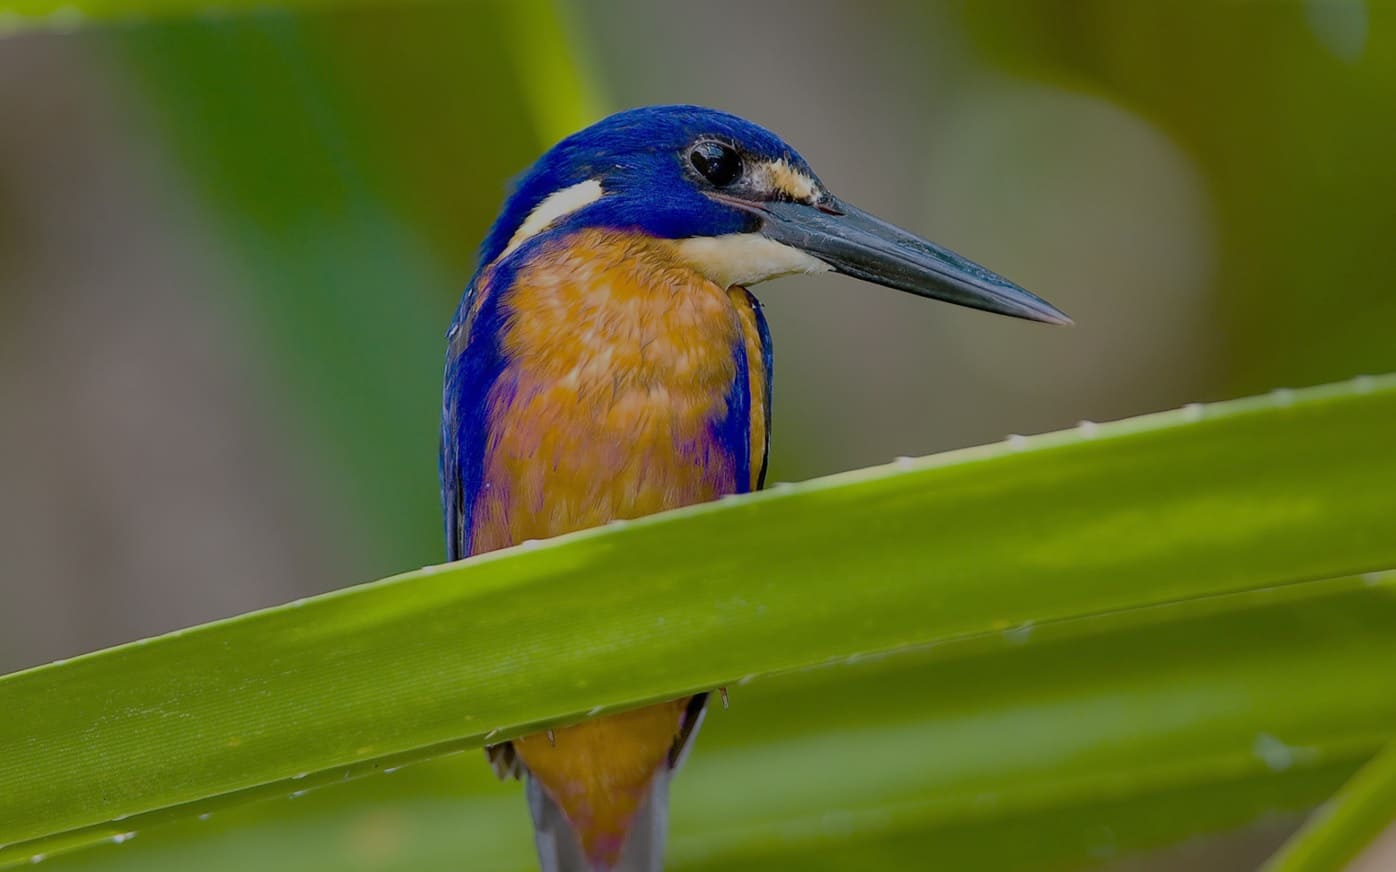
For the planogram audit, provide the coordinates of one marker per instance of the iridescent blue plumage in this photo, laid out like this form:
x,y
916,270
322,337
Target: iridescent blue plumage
x,y
464,413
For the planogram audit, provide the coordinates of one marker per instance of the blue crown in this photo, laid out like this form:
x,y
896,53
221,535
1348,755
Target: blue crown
x,y
640,158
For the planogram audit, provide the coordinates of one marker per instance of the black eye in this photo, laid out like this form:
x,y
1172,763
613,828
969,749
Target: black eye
x,y
716,162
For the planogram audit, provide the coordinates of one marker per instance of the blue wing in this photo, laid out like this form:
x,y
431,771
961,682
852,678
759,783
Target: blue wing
x,y
763,330
473,365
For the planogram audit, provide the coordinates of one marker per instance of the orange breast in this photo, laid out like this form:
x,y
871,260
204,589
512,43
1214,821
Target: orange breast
x,y
619,362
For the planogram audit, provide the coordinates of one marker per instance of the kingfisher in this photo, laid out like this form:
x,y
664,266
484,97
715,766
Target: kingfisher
x,y
608,361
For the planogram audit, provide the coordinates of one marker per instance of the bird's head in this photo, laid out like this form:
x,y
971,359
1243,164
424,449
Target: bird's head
x,y
740,205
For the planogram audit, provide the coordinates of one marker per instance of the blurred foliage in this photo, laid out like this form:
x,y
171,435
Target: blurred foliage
x,y
317,143
1277,104
1348,822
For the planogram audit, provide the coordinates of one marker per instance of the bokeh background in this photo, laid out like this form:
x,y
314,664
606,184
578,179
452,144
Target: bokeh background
x,y
230,244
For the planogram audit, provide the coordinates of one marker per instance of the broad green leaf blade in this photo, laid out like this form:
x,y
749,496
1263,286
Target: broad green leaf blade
x,y
1193,503
1339,831
1016,750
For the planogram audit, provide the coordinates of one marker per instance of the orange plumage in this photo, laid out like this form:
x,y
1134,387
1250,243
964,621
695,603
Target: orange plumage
x,y
620,358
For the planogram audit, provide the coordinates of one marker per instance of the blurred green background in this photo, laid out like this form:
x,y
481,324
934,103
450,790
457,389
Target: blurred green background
x,y
230,244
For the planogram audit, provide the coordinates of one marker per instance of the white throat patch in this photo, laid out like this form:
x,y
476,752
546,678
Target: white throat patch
x,y
554,206
745,258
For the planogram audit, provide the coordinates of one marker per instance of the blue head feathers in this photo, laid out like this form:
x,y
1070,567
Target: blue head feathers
x,y
651,164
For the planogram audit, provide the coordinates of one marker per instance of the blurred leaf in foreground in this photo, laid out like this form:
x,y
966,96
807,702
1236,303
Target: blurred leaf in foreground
x,y
1184,507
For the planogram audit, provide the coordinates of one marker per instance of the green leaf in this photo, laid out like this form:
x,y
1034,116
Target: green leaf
x,y
1339,831
1022,749
1194,503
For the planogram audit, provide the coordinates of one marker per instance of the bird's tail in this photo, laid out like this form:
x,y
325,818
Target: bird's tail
x,y
559,849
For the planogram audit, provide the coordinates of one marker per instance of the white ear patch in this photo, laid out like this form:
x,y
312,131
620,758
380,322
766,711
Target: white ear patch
x,y
553,207
745,258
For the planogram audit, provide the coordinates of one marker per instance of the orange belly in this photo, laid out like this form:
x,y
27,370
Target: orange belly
x,y
599,771
618,366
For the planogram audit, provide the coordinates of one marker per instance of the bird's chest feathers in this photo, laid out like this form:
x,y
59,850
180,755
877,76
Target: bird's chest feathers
x,y
622,369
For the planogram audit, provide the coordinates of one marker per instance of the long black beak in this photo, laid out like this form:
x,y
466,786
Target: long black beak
x,y
866,247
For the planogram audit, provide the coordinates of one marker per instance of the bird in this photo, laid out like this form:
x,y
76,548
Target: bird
x,y
608,361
